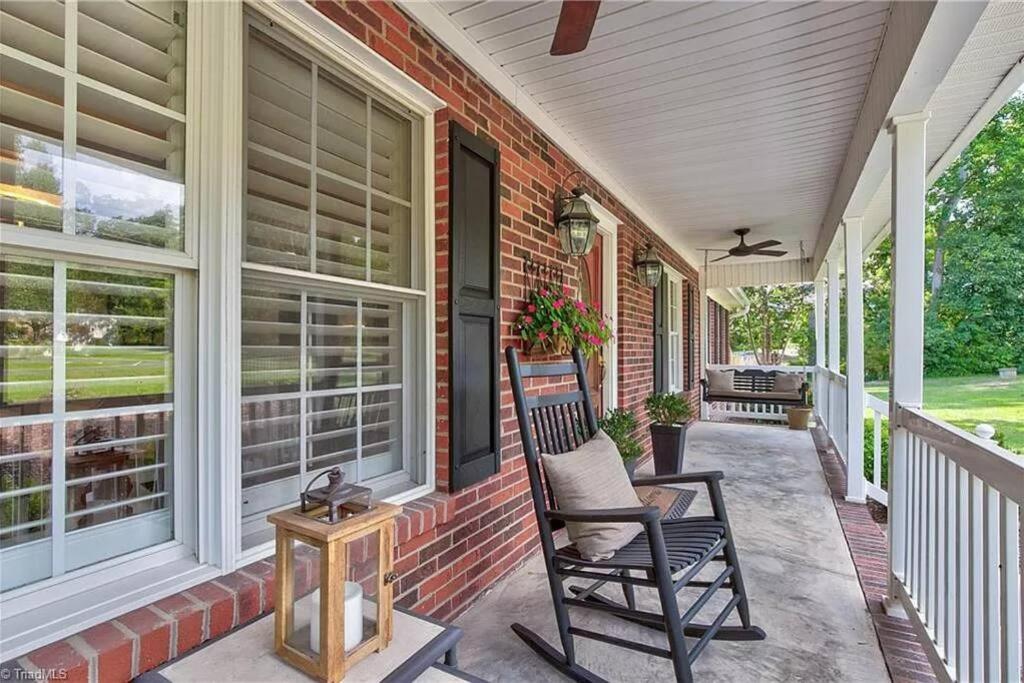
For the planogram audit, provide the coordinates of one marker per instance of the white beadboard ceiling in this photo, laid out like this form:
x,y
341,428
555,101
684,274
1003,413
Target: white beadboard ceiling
x,y
713,115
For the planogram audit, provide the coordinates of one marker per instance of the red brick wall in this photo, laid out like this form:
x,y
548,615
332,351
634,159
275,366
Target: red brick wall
x,y
491,527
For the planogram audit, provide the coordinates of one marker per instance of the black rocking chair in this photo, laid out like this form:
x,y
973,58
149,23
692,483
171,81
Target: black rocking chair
x,y
667,556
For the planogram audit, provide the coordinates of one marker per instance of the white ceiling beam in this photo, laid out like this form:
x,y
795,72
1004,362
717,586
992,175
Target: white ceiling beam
x,y
437,23
921,42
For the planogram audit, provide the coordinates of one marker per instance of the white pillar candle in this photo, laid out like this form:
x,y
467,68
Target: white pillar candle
x,y
353,617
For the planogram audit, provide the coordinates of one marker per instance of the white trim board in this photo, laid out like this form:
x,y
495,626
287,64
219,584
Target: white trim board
x,y
437,23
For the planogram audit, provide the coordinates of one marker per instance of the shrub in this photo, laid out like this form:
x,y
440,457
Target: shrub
x,y
667,409
619,425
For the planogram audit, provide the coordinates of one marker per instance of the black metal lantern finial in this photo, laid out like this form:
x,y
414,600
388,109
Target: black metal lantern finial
x,y
648,266
575,222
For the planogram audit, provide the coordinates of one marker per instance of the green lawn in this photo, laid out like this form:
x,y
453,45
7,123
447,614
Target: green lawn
x,y
966,401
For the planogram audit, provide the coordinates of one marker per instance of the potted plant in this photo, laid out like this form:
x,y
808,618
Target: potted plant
x,y
620,424
553,321
669,413
798,417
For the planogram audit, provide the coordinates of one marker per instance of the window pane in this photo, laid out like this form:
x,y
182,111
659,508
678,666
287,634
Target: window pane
x,y
382,433
341,130
270,455
340,229
120,337
382,344
34,27
332,343
390,242
391,159
136,47
25,484
278,179
26,343
118,475
271,332
332,439
31,139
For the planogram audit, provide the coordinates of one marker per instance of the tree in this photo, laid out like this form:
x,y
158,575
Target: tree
x,y
777,319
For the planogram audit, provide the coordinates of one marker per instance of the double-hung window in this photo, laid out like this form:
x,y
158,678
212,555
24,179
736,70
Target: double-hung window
x,y
673,334
96,281
333,291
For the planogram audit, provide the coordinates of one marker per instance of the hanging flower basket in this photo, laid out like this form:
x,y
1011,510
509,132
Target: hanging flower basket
x,y
553,322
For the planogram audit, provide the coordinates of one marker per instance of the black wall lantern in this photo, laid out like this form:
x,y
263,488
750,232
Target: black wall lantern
x,y
648,266
575,222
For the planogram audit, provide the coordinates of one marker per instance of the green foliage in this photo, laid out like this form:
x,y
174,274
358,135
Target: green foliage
x,y
974,321
667,409
556,321
620,425
777,323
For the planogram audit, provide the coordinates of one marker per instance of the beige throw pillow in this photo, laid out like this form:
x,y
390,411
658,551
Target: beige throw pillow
x,y
787,383
592,477
720,380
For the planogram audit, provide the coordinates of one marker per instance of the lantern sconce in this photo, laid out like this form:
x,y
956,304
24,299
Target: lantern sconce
x,y
648,266
575,222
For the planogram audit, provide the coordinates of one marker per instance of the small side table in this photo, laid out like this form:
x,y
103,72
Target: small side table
x,y
246,655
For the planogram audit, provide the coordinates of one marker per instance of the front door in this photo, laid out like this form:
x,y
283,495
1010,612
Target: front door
x,y
591,279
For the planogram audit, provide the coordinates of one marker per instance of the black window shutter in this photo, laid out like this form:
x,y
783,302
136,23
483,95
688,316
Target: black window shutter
x,y
691,359
659,334
474,305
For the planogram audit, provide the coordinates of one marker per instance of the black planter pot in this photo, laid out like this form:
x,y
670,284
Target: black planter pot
x,y
668,442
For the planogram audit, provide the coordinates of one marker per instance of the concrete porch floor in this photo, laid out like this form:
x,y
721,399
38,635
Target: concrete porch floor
x,y
800,578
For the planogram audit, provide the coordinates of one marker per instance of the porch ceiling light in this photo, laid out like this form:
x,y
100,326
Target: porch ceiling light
x,y
575,222
648,266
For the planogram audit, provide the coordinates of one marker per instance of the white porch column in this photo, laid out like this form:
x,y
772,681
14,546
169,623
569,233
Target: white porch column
x,y
833,315
855,486
704,412
906,356
819,347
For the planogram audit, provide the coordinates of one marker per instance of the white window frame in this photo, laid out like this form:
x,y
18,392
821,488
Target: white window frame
x,y
308,28
40,612
674,381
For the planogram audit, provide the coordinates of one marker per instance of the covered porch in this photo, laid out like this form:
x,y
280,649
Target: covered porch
x,y
800,577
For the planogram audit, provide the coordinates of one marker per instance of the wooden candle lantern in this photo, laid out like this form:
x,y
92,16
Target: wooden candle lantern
x,y
337,534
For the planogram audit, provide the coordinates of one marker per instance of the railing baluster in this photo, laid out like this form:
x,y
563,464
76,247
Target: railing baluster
x,y
1010,541
976,624
941,550
950,560
927,536
990,580
963,575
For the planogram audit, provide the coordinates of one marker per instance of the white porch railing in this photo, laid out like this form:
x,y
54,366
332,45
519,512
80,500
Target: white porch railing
x,y
755,411
879,413
830,405
955,525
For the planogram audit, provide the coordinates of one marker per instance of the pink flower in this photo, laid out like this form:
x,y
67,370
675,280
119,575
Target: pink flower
x,y
528,319
580,306
544,292
566,291
555,324
601,324
531,308
576,328
558,304
595,340
542,335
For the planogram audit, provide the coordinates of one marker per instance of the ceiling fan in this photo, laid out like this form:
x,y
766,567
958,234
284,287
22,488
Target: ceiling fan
x,y
744,249
575,23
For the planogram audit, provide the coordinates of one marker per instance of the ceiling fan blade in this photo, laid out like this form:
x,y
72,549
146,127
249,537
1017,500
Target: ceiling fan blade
x,y
763,245
769,252
720,258
575,24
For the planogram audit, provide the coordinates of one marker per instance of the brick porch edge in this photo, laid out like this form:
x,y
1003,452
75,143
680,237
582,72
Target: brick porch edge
x,y
904,655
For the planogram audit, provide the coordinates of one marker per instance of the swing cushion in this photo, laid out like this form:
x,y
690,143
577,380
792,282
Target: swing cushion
x,y
592,477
